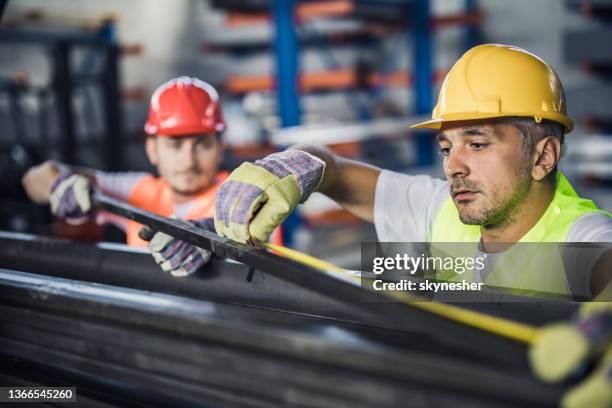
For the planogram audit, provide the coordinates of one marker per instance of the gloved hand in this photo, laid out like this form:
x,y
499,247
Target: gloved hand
x,y
563,349
257,197
174,256
596,390
70,197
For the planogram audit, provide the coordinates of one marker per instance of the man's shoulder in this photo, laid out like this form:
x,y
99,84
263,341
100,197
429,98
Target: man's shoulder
x,y
406,205
406,181
421,189
591,227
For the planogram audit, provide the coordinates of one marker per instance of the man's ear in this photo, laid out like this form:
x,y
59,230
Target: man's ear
x,y
547,154
151,149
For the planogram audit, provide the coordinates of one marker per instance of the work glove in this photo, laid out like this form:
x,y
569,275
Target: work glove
x,y
563,350
596,390
257,197
70,197
176,257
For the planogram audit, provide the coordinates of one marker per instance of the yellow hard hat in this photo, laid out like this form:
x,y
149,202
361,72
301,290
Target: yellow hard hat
x,y
493,81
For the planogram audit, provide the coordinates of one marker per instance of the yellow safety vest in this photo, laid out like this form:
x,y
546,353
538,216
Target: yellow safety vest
x,y
524,272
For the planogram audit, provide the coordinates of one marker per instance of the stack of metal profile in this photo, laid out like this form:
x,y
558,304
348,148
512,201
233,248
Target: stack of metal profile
x,y
106,319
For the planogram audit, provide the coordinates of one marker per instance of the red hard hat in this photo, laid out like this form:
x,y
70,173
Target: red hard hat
x,y
184,106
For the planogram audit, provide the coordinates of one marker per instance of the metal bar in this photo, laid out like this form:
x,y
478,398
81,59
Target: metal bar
x,y
287,62
2,7
328,284
18,116
43,117
286,46
347,132
62,85
37,37
422,57
472,32
226,281
235,371
112,110
423,75
153,325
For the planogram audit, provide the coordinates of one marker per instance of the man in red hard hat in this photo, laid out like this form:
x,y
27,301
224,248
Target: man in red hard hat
x,y
184,142
183,129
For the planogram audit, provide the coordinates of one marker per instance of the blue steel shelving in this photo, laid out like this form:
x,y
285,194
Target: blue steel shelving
x,y
286,45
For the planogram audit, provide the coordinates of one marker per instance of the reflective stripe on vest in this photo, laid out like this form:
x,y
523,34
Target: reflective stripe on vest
x,y
511,271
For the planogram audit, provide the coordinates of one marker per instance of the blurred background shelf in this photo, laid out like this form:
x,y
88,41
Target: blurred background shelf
x,y
350,74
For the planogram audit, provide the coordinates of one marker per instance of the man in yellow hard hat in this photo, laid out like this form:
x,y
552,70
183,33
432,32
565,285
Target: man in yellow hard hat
x,y
501,119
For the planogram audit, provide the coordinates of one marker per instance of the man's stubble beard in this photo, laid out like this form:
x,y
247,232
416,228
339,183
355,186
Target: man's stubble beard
x,y
495,212
192,191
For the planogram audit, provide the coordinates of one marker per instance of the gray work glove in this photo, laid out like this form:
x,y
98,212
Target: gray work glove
x,y
177,257
70,197
257,197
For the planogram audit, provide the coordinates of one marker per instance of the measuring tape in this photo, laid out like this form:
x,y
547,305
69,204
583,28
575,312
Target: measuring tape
x,y
497,325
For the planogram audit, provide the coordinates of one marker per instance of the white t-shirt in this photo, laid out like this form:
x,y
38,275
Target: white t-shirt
x,y
405,208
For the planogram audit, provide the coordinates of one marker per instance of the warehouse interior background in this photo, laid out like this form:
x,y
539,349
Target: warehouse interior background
x,y
76,77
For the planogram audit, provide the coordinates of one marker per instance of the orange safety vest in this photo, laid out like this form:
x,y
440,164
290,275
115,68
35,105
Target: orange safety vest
x,y
155,195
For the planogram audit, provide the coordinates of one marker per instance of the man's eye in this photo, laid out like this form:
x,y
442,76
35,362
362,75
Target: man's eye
x,y
478,146
445,151
204,144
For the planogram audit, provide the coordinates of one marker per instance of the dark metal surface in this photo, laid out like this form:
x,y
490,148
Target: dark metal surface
x,y
218,339
112,109
226,281
2,7
134,347
47,37
222,280
63,90
66,80
322,282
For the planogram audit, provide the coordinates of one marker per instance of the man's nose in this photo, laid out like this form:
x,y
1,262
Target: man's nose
x,y
455,163
187,155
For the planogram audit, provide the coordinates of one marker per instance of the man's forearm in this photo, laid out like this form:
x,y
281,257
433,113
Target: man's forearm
x,y
350,183
329,175
37,181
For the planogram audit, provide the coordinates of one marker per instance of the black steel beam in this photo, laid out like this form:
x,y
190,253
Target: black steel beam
x,y
221,280
191,350
112,110
469,338
36,37
62,85
2,8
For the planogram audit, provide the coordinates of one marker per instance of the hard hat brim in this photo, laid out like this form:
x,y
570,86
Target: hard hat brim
x,y
436,124
428,124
